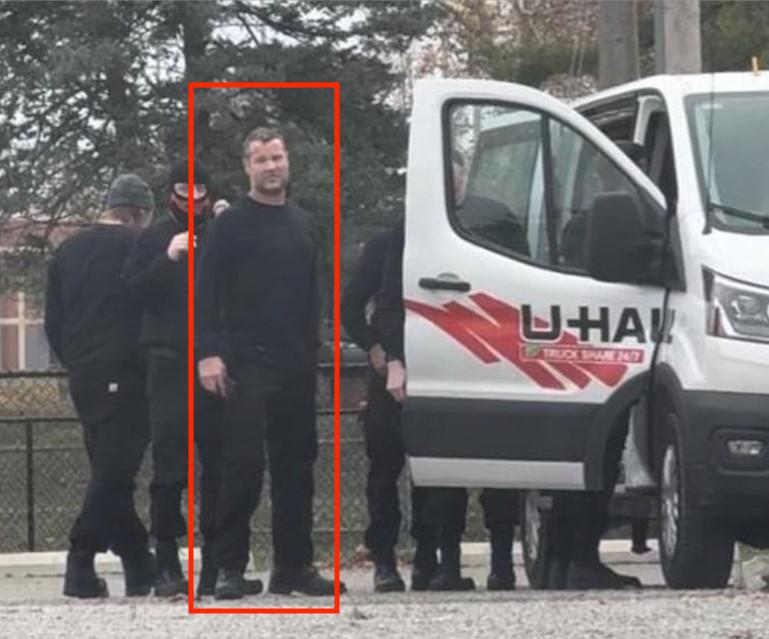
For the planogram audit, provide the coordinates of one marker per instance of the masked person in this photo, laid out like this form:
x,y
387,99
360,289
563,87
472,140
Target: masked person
x,y
257,316
446,508
381,428
157,273
92,325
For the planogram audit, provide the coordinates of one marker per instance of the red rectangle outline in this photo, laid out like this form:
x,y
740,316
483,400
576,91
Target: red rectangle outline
x,y
191,86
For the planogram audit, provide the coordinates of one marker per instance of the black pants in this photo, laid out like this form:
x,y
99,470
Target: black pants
x,y
447,512
582,518
110,402
167,394
274,412
386,454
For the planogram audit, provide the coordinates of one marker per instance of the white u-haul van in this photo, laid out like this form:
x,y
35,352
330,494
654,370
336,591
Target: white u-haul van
x,y
558,286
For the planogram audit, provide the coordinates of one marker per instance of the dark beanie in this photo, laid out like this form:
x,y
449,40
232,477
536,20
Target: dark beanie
x,y
178,174
130,190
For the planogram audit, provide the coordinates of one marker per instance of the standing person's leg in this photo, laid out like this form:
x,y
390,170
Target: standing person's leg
x,y
209,422
110,403
591,522
242,475
500,510
385,452
292,442
167,395
448,509
425,534
209,425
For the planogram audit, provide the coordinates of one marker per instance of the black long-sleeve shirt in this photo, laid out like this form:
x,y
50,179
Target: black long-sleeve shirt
x,y
160,284
256,294
390,313
364,284
90,316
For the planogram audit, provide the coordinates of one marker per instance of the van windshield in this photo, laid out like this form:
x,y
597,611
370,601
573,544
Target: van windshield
x,y
730,135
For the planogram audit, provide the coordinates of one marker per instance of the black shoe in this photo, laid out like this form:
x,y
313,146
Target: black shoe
x,y
230,584
80,579
139,572
307,581
501,575
250,587
445,581
597,576
425,565
449,573
500,581
387,579
170,581
170,584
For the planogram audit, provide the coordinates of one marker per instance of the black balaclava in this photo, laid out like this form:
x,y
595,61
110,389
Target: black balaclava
x,y
203,206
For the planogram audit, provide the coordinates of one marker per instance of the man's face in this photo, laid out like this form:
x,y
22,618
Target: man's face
x,y
267,167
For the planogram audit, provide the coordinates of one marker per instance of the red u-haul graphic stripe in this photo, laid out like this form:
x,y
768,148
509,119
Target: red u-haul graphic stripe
x,y
500,336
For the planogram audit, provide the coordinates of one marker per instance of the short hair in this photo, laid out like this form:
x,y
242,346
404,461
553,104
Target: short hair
x,y
262,134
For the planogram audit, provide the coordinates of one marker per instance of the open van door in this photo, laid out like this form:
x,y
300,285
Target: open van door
x,y
519,362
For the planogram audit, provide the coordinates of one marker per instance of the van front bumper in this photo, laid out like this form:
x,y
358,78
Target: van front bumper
x,y
727,451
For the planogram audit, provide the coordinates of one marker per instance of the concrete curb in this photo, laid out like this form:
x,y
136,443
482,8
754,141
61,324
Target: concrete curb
x,y
474,554
53,563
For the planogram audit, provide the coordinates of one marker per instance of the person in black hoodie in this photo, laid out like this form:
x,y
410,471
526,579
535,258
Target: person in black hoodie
x,y
257,312
157,274
93,328
445,508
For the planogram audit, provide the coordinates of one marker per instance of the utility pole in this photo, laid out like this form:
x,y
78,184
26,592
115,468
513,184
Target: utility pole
x,y
617,42
677,43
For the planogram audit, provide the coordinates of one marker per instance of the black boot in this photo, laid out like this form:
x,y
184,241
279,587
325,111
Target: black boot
x,y
80,579
386,577
306,580
231,584
170,580
139,572
448,576
593,575
425,565
502,575
208,579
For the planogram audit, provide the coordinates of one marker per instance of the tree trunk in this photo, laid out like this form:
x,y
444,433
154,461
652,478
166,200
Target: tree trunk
x,y
678,47
617,43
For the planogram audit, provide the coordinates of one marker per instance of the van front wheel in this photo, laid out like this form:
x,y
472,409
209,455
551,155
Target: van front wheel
x,y
696,549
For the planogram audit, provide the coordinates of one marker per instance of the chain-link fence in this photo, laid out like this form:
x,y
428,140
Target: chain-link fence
x,y
44,468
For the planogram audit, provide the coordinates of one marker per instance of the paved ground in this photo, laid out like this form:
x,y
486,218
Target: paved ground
x,y
31,606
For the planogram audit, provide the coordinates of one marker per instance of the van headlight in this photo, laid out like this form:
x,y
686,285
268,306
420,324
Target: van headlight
x,y
736,309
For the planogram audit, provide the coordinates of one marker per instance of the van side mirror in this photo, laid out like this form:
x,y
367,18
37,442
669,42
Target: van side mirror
x,y
622,245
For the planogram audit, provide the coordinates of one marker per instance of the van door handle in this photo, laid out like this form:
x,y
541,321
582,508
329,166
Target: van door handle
x,y
444,282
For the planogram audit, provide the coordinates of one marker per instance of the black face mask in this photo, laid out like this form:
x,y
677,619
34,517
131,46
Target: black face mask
x,y
182,219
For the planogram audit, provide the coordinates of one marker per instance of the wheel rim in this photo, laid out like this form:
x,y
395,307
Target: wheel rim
x,y
670,501
533,525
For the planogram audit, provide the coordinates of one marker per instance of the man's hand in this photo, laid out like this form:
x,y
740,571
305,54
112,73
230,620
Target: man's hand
x,y
179,243
378,360
396,380
213,375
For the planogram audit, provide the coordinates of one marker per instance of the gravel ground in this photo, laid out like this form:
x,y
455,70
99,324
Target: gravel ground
x,y
32,608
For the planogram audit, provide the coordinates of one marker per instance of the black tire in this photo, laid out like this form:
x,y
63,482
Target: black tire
x,y
696,550
536,539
